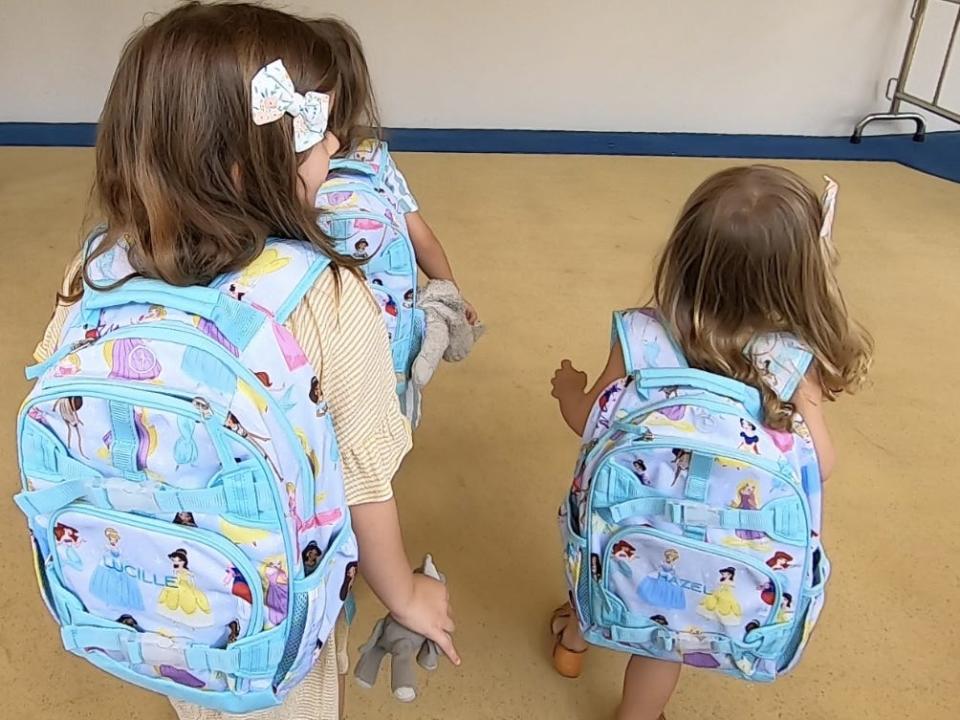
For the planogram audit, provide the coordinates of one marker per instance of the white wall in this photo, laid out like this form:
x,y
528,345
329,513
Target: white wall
x,y
727,66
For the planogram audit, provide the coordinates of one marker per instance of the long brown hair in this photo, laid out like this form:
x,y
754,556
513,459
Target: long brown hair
x,y
182,173
746,258
354,116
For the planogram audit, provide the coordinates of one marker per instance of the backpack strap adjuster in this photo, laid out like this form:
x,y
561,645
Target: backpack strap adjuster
x,y
126,496
685,512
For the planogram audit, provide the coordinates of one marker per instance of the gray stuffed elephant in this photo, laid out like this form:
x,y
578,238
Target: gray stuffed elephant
x,y
448,335
403,646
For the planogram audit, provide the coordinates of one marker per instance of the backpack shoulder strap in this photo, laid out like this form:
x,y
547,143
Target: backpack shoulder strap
x,y
645,342
278,279
782,359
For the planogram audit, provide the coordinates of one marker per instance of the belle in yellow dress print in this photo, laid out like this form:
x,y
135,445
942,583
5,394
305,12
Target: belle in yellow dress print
x,y
184,602
721,604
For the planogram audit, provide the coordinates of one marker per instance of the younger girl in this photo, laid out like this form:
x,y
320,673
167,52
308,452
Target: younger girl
x,y
193,175
356,124
751,254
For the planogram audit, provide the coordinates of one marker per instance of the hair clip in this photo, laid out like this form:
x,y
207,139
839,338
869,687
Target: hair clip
x,y
273,94
828,203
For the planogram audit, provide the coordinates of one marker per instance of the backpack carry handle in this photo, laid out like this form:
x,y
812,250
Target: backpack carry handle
x,y
659,378
237,321
355,166
362,167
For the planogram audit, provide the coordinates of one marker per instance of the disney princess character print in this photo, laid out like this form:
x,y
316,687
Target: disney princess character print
x,y
661,588
184,602
109,583
722,604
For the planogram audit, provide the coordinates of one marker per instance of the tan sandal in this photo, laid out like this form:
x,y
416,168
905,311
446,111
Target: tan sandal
x,y
567,662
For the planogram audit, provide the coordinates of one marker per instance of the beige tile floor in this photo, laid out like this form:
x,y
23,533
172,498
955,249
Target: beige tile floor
x,y
546,247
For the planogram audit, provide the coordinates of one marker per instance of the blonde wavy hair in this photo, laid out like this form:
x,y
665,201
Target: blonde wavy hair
x,y
746,258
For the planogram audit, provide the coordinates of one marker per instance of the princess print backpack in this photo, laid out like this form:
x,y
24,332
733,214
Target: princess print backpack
x,y
691,531
182,484
362,206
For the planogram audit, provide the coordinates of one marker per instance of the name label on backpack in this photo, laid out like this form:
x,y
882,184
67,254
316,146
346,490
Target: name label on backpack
x,y
140,574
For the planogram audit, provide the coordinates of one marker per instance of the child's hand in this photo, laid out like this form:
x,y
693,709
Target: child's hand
x,y
567,379
428,613
471,312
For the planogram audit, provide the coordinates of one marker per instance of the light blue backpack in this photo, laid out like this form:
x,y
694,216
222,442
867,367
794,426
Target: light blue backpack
x,y
691,531
359,211
182,484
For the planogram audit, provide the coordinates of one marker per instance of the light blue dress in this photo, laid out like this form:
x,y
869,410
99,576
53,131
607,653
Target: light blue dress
x,y
114,587
661,589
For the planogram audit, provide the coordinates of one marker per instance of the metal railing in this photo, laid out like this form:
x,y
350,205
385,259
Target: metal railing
x,y
897,87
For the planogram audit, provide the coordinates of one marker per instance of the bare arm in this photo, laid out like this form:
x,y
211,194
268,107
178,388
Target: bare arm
x,y
569,385
416,601
809,401
346,339
431,256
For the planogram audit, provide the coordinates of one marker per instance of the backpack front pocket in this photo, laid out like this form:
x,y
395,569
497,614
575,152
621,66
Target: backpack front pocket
x,y
154,576
692,590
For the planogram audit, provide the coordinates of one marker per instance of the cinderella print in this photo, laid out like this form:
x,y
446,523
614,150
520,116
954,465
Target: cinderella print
x,y
661,588
109,583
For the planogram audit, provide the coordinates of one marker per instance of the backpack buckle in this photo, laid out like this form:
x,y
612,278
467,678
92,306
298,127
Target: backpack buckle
x,y
160,650
694,642
126,496
685,512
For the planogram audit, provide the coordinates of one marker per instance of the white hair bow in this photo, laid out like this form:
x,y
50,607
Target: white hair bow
x,y
273,95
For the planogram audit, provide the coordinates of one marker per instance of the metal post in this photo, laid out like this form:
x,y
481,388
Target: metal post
x,y
946,58
899,83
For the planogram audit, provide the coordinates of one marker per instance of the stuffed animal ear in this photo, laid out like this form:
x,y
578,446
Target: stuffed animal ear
x,y
429,656
374,637
429,568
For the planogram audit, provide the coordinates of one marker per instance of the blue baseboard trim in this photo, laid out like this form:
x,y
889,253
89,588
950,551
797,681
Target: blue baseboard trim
x,y
48,134
939,155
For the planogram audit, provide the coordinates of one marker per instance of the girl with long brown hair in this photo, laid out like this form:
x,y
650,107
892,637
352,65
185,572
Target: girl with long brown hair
x,y
356,123
751,257
194,173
